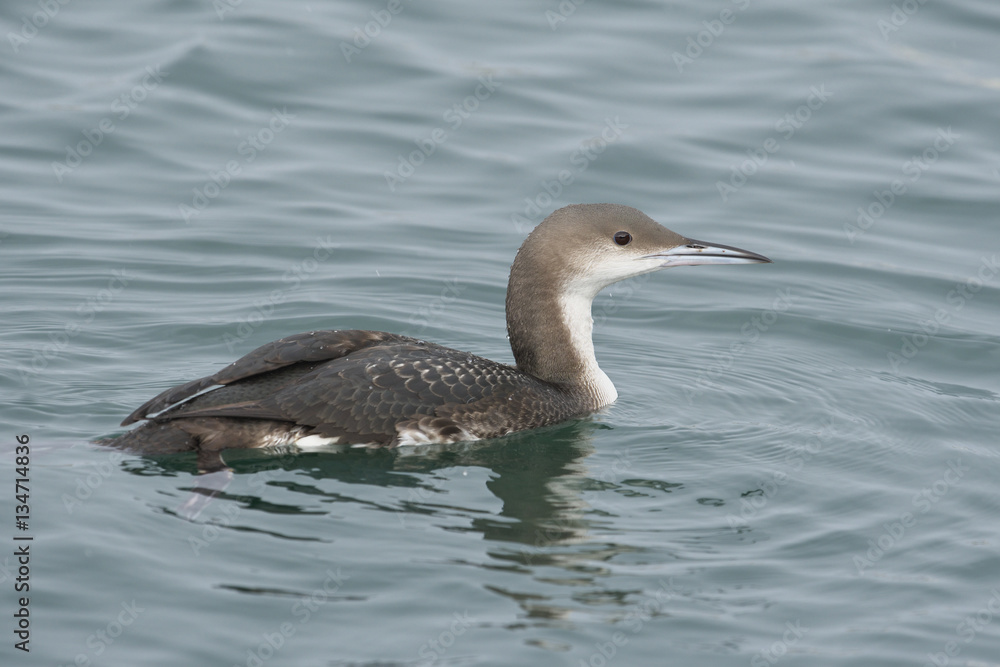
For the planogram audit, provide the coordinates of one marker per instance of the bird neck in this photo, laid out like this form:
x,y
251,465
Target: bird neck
x,y
551,331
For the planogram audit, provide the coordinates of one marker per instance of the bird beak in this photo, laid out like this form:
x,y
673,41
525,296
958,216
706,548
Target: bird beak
x,y
694,252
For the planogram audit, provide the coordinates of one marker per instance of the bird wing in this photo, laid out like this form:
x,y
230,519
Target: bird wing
x,y
304,348
406,391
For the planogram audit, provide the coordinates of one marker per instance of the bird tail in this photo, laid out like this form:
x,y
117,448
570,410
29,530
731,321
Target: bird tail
x,y
154,438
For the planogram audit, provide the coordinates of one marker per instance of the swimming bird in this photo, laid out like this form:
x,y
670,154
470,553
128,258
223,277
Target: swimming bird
x,y
383,389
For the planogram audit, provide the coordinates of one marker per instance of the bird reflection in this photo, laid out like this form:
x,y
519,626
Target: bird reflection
x,y
539,476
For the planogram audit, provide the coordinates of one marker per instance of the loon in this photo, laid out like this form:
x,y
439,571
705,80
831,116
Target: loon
x,y
387,390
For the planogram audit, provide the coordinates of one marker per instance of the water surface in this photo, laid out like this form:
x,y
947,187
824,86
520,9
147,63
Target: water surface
x,y
802,465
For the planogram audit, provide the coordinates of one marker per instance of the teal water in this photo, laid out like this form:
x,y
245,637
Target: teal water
x,y
802,464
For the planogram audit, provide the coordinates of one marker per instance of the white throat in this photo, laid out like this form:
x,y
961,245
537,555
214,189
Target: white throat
x,y
576,317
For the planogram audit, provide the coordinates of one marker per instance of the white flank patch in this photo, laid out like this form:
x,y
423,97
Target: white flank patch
x,y
315,441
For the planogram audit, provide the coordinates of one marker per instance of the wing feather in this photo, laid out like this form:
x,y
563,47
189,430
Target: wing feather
x,y
312,346
370,387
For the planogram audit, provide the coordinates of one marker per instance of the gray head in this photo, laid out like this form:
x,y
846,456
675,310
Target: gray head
x,y
587,247
571,256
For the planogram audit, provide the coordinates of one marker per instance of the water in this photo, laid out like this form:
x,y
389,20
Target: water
x,y
801,468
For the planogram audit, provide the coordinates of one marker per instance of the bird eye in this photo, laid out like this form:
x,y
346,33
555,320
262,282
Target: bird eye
x,y
623,238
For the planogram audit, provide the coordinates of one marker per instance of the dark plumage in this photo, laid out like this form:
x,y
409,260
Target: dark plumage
x,y
383,389
361,387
